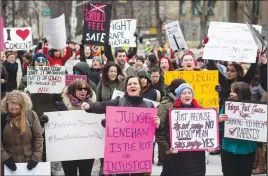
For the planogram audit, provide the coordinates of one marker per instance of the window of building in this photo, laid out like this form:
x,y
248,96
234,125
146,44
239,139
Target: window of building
x,y
255,8
182,7
196,7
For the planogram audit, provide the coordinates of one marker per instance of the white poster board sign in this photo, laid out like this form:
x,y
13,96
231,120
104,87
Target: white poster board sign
x,y
122,33
121,94
194,129
74,135
69,64
174,32
246,121
232,42
16,39
46,79
55,32
42,169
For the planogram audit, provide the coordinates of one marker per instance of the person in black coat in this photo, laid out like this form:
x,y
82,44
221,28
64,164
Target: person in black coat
x,y
12,68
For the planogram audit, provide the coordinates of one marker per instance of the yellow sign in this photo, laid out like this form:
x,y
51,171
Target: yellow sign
x,y
203,83
152,30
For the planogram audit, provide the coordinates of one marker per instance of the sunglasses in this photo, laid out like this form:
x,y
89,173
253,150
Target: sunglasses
x,y
41,59
82,88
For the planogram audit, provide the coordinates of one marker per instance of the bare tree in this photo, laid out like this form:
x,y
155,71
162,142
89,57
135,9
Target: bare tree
x,y
159,22
250,9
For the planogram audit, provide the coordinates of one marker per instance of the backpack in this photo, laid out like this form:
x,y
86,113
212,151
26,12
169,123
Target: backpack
x,y
4,121
122,102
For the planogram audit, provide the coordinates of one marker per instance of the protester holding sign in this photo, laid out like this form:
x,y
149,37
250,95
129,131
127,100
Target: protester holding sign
x,y
22,139
237,155
133,98
85,52
109,82
72,98
190,162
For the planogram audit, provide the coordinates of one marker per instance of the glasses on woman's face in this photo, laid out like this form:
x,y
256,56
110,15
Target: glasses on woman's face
x,y
82,89
41,59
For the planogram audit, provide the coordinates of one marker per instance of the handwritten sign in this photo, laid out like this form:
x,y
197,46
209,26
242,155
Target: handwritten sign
x,y
129,140
97,23
231,41
2,46
45,79
55,32
70,78
246,121
194,129
174,33
78,131
121,94
41,169
203,83
16,39
122,33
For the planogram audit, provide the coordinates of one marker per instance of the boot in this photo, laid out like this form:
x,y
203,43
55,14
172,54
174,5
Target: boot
x,y
256,162
261,165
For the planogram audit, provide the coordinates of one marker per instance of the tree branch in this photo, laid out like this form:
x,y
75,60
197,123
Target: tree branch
x,y
245,12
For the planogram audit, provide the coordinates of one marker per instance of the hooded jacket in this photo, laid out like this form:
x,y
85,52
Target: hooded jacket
x,y
25,147
83,67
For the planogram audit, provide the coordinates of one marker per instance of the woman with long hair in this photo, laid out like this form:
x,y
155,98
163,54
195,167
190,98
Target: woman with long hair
x,y
22,140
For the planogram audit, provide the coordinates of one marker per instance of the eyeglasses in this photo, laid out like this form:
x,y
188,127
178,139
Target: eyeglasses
x,y
82,88
41,59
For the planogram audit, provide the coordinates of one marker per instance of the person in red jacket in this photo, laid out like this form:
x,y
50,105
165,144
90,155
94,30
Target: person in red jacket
x,y
56,58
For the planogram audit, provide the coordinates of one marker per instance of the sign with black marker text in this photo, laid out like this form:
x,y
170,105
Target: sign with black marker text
x,y
194,129
246,121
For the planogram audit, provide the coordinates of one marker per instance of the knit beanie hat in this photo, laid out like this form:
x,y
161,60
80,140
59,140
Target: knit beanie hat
x,y
39,54
183,86
143,74
97,59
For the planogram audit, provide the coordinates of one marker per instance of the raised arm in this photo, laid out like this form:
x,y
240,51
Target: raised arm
x,y
100,107
108,52
251,72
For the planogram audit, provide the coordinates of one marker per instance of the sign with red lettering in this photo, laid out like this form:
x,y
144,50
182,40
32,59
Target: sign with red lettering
x,y
194,129
97,23
71,78
129,140
46,79
246,120
16,39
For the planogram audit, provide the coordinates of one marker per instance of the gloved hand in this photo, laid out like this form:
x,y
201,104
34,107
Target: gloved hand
x,y
103,123
31,164
11,164
218,88
43,119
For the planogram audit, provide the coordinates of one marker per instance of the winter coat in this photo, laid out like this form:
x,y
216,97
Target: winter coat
x,y
263,76
163,108
150,93
58,60
94,75
185,163
42,102
12,71
105,90
128,70
85,70
4,76
256,92
66,105
25,147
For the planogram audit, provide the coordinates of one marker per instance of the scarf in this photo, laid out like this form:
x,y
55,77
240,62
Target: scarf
x,y
178,104
77,103
134,100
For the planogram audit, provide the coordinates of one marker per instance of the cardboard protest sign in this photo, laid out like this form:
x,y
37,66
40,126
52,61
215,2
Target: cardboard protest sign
x,y
2,46
121,94
45,79
175,36
122,33
257,38
203,83
77,131
41,169
55,32
97,23
230,42
16,39
246,121
194,129
129,137
70,78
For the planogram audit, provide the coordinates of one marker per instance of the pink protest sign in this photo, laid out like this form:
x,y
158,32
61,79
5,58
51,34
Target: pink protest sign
x,y
2,46
129,139
70,78
195,129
